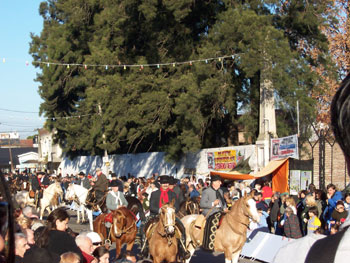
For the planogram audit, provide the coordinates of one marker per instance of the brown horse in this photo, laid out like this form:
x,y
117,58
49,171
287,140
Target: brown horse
x,y
163,242
232,233
188,207
123,229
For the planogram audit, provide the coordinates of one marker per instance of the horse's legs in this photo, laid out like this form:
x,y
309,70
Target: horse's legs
x,y
228,256
82,210
190,249
89,216
78,215
118,247
235,256
130,245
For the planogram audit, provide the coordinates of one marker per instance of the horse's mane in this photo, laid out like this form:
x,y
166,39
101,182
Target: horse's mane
x,y
237,204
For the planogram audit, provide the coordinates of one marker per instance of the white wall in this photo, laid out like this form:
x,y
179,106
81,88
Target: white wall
x,y
144,164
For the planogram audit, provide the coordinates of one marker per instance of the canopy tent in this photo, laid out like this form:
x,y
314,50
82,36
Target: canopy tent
x,y
278,168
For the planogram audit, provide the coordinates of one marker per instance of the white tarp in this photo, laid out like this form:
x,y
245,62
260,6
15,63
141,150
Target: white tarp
x,y
145,164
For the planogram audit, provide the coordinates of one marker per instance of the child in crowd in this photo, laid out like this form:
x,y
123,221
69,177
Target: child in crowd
x,y
334,229
347,201
339,214
314,222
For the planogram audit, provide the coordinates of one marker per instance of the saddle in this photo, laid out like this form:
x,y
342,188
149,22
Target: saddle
x,y
211,226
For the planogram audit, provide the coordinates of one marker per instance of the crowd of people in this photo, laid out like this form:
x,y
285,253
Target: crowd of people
x,y
311,212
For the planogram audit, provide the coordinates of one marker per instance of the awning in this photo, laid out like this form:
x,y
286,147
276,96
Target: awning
x,y
278,168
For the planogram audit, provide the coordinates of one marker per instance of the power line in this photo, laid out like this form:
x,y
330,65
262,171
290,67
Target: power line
x,y
18,111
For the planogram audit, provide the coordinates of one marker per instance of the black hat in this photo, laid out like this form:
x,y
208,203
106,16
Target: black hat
x,y
114,183
172,180
215,178
41,173
164,179
82,173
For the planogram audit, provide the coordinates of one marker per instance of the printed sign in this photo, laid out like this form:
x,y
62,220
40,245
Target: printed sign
x,y
224,160
284,147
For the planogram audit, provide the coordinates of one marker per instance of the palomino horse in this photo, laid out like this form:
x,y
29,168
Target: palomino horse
x,y
50,198
188,207
78,194
232,233
123,229
163,242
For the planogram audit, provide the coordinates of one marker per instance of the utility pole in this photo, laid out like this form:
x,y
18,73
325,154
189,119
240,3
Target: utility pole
x,y
10,152
105,158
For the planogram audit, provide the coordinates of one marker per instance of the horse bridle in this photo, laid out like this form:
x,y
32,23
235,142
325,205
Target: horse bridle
x,y
126,230
167,222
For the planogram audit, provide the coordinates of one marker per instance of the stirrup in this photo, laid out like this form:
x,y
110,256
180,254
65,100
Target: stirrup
x,y
108,242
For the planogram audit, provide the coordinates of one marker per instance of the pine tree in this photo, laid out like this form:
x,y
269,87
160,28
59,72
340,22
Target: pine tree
x,y
179,108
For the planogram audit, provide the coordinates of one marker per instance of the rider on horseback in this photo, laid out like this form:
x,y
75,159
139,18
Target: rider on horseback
x,y
114,200
37,187
100,185
162,196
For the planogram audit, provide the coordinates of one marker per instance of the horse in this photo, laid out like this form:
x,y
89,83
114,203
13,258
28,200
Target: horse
x,y
163,242
50,197
188,207
135,206
232,233
78,194
123,229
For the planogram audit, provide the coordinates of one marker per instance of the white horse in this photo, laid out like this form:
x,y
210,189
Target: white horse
x,y
50,197
78,194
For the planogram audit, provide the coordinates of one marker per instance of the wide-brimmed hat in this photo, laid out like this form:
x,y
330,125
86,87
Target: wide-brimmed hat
x,y
164,179
113,183
215,177
172,180
81,173
98,169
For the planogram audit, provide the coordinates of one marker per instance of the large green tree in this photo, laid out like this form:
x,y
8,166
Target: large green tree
x,y
174,108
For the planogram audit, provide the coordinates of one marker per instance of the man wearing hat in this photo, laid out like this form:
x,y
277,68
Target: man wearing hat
x,y
37,186
114,200
101,184
212,200
83,181
162,196
176,189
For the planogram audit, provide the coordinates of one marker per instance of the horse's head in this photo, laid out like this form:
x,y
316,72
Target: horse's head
x,y
192,207
70,193
167,217
119,222
250,208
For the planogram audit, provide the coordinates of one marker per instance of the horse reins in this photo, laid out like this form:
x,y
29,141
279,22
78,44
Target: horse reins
x,y
125,231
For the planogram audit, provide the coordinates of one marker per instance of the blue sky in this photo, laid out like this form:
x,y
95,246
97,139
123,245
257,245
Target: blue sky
x,y
19,91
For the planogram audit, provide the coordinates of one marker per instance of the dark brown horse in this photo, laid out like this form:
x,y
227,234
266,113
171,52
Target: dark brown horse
x,y
123,229
163,242
135,206
188,207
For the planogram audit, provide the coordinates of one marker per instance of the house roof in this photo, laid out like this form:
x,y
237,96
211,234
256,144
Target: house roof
x,y
5,154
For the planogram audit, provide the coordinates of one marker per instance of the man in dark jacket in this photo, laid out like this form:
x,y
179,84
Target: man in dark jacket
x,y
101,185
274,210
37,187
162,196
83,181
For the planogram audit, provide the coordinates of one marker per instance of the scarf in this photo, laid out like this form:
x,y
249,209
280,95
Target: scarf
x,y
163,196
220,197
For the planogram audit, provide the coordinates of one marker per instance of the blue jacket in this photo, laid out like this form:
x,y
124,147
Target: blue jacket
x,y
332,203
